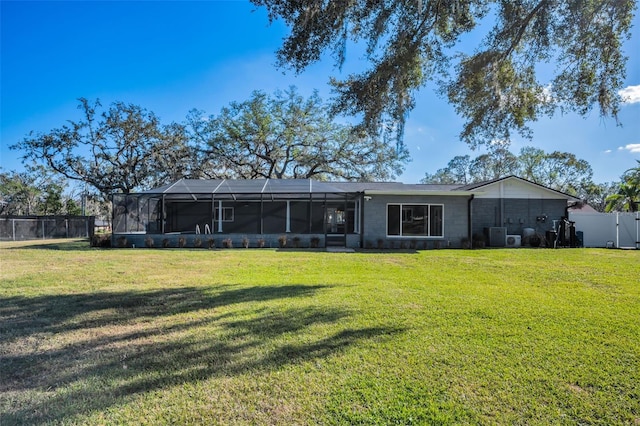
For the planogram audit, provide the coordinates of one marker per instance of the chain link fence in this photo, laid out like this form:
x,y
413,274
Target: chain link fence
x,y
20,228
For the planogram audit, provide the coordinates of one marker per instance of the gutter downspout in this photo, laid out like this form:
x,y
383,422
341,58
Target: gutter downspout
x,y
470,221
113,218
361,224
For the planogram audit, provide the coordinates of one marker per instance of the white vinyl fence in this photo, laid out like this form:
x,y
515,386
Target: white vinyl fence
x,y
608,229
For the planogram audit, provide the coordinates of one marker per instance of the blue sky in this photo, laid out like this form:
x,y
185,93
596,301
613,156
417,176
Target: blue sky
x,y
170,57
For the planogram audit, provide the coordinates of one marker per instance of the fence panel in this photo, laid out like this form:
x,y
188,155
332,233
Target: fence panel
x,y
20,228
603,229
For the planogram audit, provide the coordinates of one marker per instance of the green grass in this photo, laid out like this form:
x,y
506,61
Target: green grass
x,y
90,336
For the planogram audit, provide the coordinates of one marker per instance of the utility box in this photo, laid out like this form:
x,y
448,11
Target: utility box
x,y
496,236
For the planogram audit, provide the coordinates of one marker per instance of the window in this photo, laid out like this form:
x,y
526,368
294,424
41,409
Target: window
x,y
227,214
415,220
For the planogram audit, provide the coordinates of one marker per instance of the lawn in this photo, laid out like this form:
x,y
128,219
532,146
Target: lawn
x,y
259,336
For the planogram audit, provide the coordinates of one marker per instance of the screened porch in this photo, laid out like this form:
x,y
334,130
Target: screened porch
x,y
248,207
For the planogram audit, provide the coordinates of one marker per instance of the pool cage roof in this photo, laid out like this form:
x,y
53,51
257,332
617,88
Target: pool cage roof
x,y
249,186
283,187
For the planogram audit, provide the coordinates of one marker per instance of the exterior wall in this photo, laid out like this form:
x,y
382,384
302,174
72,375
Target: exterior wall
x,y
517,214
518,189
455,220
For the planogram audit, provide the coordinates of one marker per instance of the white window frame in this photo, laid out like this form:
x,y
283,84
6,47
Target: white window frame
x,y
221,211
429,205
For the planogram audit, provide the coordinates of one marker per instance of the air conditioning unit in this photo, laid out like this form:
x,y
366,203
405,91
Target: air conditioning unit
x,y
514,241
496,236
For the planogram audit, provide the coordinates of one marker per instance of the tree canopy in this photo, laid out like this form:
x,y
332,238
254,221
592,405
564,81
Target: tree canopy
x,y
126,148
561,171
121,149
285,135
34,191
627,195
533,58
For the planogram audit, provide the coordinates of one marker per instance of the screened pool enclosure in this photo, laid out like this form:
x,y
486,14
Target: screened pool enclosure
x,y
259,208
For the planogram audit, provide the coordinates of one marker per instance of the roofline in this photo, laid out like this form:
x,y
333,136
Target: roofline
x,y
421,192
490,182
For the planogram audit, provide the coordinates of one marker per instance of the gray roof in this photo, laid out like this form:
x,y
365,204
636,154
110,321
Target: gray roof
x,y
391,186
294,187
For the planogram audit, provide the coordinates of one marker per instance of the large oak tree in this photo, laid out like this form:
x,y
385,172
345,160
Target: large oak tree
x,y
531,57
285,135
121,149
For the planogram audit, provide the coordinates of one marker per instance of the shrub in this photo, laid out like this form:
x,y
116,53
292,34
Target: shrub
x,y
368,244
380,242
182,241
121,242
479,241
315,242
227,243
148,242
166,243
413,244
245,242
261,243
296,242
101,240
211,243
535,241
197,242
465,243
282,241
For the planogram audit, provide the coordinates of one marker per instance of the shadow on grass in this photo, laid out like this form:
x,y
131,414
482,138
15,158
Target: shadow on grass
x,y
64,245
69,355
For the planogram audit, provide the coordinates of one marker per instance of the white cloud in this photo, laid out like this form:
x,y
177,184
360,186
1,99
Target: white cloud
x,y
633,148
608,151
630,94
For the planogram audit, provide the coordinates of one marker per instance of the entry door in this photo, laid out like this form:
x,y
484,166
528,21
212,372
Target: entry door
x,y
335,220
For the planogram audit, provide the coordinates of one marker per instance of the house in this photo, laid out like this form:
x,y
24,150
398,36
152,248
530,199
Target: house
x,y
348,214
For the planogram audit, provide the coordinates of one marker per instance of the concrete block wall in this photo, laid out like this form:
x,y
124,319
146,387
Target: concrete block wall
x,y
518,214
455,220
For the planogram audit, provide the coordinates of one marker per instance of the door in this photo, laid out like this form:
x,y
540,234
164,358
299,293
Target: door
x,y
335,220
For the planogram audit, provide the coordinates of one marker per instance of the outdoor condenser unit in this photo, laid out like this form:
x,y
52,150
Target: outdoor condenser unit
x,y
514,241
497,236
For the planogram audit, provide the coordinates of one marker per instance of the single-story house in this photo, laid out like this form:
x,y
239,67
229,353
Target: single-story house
x,y
350,214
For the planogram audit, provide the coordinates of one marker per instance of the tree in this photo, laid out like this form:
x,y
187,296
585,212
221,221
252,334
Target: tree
x,y
18,193
497,162
627,197
456,172
561,171
287,136
34,191
119,150
596,194
498,88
